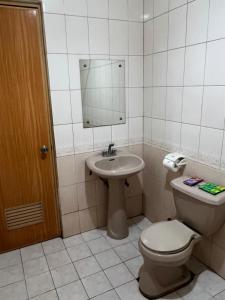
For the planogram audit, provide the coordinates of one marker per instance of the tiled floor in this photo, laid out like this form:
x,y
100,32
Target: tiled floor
x,y
91,266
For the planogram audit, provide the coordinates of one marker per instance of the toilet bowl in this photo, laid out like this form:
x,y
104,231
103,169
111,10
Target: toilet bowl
x,y
165,247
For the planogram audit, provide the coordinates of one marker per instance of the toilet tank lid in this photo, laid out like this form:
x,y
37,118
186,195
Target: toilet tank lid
x,y
196,193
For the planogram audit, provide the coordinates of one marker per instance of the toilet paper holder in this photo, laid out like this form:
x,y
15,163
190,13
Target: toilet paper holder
x,y
174,161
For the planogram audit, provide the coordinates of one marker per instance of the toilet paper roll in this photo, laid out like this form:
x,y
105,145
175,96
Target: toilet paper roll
x,y
170,165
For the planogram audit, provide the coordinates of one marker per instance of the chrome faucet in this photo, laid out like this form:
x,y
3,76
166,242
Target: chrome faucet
x,y
110,152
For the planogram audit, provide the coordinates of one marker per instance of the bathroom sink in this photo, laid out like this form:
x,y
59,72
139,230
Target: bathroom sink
x,y
114,170
119,166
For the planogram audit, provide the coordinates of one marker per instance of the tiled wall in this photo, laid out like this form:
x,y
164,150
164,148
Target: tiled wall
x,y
80,29
159,203
184,77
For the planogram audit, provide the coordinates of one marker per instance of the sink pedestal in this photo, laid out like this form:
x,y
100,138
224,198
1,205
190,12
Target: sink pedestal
x,y
117,219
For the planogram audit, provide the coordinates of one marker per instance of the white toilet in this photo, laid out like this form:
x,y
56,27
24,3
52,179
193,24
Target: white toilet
x,y
167,246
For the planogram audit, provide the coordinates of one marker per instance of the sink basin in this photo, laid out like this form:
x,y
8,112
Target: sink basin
x,y
119,166
115,170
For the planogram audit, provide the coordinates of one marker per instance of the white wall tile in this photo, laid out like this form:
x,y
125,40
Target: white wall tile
x,y
158,132
190,140
118,32
216,20
98,36
148,70
53,6
55,30
77,35
210,145
98,8
175,3
148,37
148,95
135,38
147,130
61,107
135,130
160,7
135,71
64,139
159,102
135,102
76,104
118,9
148,9
58,71
223,153
135,10
160,33
83,138
75,7
177,27
172,136
159,69
120,135
102,137
192,105
175,67
197,21
174,103
215,63
213,111
195,65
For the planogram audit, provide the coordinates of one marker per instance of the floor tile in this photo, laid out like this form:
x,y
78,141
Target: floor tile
x,y
136,244
91,235
11,275
193,291
211,282
73,241
99,245
96,284
72,291
10,258
13,291
142,222
35,267
40,284
108,258
52,246
51,295
127,251
111,295
32,252
195,266
220,296
118,275
130,291
64,275
115,243
87,266
58,259
79,252
134,265
134,232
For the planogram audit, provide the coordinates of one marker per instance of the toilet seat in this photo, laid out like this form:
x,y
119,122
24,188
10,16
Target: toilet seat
x,y
169,237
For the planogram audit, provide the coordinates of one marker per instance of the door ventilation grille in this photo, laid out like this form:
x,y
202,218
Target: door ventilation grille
x,y
24,215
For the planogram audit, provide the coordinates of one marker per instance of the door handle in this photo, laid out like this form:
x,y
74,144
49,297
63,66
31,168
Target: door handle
x,y
44,149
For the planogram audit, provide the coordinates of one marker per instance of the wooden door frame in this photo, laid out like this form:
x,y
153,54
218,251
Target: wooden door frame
x,y
38,4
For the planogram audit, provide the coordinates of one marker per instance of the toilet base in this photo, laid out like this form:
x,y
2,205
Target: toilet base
x,y
158,281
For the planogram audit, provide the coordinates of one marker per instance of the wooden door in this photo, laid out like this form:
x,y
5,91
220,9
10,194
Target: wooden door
x,y
28,198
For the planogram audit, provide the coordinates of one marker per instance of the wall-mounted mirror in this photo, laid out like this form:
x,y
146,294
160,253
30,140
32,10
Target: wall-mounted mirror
x,y
103,92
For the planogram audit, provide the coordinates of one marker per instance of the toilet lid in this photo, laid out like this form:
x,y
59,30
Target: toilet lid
x,y
170,236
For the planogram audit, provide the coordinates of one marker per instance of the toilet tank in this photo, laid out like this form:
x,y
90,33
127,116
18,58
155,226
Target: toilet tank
x,y
199,210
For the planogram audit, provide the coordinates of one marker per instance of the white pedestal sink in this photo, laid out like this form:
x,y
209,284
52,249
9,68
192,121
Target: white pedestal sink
x,y
116,169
